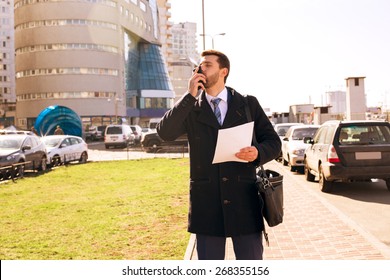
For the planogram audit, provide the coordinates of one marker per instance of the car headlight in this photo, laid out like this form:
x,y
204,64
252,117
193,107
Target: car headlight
x,y
11,157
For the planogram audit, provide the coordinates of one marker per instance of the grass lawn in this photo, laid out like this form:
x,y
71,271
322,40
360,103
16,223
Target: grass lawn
x,y
133,210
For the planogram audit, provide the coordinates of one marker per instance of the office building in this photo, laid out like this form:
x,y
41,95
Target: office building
x,y
100,58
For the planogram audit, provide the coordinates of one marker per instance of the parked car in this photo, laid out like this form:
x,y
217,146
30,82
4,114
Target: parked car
x,y
93,133
147,130
118,135
63,149
102,129
152,142
281,130
137,131
6,132
348,151
25,151
293,147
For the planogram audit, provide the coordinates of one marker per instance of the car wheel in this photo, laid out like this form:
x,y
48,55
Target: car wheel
x,y
388,183
309,177
56,160
293,168
19,171
325,185
43,164
83,158
154,146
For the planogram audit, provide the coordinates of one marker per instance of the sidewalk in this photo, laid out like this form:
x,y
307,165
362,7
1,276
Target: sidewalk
x,y
312,229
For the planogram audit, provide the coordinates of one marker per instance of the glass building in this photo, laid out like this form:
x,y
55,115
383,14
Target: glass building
x,y
100,58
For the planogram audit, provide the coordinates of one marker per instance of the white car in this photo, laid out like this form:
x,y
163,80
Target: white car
x,y
118,135
293,147
62,149
137,131
281,128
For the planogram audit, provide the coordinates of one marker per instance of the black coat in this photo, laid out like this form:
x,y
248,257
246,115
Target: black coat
x,y
223,200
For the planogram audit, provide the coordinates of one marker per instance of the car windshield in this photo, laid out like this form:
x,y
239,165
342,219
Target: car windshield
x,y
114,130
364,134
10,143
281,130
301,133
51,142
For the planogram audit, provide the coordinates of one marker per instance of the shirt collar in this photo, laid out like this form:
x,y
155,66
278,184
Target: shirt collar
x,y
223,95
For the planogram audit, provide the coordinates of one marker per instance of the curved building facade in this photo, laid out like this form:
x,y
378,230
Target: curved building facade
x,y
100,58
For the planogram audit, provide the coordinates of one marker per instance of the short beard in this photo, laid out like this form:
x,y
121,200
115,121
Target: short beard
x,y
211,81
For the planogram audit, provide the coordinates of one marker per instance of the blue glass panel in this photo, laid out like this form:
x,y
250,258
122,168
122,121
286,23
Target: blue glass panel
x,y
52,116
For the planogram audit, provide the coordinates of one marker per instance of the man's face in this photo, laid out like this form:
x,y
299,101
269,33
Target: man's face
x,y
210,68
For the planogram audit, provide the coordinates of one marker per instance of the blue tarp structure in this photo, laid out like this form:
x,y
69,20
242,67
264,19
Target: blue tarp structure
x,y
52,116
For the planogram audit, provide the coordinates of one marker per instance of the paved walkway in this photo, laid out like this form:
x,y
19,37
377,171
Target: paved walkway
x,y
312,229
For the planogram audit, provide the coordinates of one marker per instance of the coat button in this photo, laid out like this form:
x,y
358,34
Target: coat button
x,y
226,202
224,179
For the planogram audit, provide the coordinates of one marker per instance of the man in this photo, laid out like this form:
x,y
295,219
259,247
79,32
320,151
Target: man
x,y
223,199
58,131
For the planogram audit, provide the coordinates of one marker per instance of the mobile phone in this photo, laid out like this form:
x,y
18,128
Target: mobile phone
x,y
200,71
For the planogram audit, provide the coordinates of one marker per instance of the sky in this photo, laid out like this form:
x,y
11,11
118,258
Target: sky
x,y
288,52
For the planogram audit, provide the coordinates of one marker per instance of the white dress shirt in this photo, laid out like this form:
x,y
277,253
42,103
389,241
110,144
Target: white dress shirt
x,y
223,105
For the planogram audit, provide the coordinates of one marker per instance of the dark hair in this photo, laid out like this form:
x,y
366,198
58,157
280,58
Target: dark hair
x,y
222,60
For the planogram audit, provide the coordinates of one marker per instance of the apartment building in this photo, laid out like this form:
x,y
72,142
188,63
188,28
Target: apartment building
x,y
337,101
100,58
184,55
7,67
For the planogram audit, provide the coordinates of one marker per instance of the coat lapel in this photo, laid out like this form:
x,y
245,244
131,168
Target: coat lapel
x,y
205,113
235,114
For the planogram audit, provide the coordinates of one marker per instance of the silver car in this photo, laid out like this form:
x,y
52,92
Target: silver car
x,y
348,151
20,152
293,147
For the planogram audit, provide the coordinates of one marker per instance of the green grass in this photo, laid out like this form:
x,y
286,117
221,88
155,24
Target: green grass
x,y
134,210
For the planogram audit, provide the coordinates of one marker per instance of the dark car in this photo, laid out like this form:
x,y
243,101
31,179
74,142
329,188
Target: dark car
x,y
21,152
348,151
152,142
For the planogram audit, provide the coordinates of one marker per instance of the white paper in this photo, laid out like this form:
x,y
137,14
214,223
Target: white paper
x,y
231,141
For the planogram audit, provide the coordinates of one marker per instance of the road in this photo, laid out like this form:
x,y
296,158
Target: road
x,y
366,204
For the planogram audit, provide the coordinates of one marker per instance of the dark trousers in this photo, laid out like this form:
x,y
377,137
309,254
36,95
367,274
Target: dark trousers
x,y
246,247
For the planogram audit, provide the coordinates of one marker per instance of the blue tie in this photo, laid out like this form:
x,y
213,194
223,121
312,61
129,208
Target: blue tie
x,y
217,112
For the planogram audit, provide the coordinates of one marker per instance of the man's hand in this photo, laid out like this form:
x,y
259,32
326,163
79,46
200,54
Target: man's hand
x,y
195,82
248,154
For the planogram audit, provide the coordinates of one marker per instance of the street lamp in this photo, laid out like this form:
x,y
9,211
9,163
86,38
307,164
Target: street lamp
x,y
212,37
116,99
204,28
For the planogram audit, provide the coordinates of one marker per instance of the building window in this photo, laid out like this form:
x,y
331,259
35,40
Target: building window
x,y
66,71
356,82
65,95
68,22
142,6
